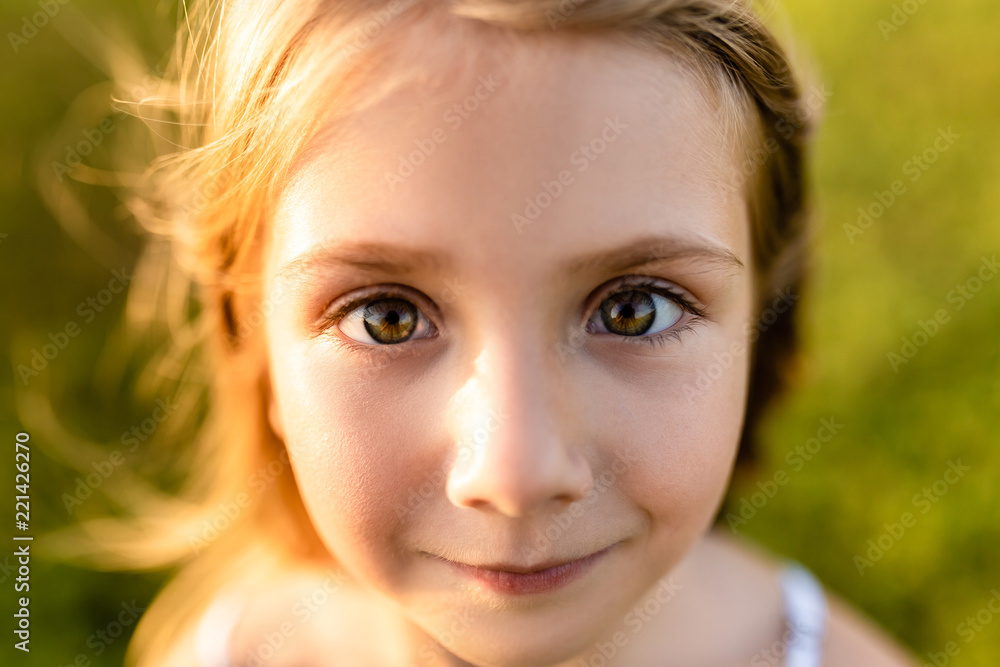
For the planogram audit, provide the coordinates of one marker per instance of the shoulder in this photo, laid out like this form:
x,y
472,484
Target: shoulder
x,y
286,618
304,613
851,638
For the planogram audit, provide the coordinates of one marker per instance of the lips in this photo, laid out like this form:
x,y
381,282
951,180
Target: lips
x,y
513,579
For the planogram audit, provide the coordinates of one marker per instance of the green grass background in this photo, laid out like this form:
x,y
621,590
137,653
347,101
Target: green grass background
x,y
891,94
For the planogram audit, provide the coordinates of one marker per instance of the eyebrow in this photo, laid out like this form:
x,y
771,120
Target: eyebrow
x,y
654,248
371,257
403,260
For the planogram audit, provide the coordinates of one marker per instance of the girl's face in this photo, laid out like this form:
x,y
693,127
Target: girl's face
x,y
506,341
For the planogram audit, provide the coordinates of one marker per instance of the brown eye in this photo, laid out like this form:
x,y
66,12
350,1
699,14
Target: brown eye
x,y
385,321
636,312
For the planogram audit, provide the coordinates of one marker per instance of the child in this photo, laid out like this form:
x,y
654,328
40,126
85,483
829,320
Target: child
x,y
463,266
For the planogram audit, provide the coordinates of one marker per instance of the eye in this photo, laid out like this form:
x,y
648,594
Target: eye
x,y
644,310
380,320
635,312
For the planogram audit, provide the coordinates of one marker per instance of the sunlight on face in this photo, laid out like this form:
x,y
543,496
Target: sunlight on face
x,y
498,296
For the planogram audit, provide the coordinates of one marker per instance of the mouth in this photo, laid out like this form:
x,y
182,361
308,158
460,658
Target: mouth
x,y
515,579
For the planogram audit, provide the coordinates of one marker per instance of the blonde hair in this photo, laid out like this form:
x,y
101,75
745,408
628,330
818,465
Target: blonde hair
x,y
251,83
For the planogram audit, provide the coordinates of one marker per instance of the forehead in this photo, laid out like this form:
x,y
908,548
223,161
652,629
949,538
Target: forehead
x,y
511,151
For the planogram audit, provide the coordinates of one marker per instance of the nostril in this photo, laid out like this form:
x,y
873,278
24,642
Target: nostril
x,y
516,486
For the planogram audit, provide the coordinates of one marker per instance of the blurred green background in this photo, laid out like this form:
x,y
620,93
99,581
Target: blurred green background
x,y
900,77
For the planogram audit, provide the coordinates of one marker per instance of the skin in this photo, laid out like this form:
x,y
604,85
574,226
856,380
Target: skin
x,y
504,409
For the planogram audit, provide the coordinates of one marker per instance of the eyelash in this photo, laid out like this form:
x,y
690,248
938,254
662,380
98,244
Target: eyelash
x,y
674,333
695,314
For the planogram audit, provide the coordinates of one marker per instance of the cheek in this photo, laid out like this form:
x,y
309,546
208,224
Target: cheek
x,y
352,442
680,421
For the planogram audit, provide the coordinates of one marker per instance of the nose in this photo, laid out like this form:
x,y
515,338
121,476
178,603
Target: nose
x,y
516,452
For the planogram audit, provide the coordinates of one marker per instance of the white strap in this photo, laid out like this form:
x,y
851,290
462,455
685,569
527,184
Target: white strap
x,y
215,631
805,614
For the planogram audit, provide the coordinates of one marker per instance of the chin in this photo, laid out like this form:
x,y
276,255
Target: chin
x,y
509,633
533,648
